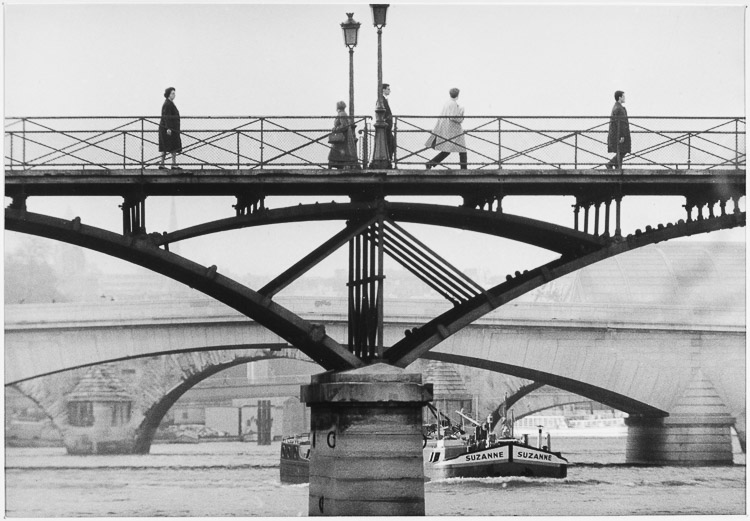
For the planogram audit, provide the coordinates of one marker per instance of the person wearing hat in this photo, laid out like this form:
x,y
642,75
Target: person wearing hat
x,y
389,122
448,135
169,130
618,139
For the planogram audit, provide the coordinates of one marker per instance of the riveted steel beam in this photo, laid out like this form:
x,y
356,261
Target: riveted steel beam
x,y
313,258
307,182
523,229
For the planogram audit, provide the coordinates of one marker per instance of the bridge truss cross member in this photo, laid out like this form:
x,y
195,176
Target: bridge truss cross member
x,y
586,202
365,291
133,214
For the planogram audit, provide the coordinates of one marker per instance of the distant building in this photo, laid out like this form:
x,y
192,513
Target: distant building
x,y
99,410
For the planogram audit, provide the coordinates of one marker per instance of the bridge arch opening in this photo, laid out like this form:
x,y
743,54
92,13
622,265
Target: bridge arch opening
x,y
603,396
144,380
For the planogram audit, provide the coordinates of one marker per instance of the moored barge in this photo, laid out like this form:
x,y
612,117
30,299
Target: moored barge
x,y
497,458
294,466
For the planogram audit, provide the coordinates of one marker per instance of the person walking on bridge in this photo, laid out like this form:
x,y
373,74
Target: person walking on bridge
x,y
343,142
618,140
388,122
448,135
169,130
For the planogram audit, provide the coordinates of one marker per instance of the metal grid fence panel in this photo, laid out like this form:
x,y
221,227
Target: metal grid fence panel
x,y
491,142
207,142
579,142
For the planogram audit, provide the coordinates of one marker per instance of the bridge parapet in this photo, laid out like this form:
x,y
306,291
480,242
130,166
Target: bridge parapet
x,y
20,318
208,142
269,142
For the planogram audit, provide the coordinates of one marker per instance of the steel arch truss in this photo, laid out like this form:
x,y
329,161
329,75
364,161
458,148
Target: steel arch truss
x,y
371,231
420,340
309,338
544,235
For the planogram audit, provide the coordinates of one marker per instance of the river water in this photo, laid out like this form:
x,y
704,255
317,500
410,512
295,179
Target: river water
x,y
242,479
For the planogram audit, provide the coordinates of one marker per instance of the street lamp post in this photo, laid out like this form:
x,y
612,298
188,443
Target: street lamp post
x,y
380,157
350,29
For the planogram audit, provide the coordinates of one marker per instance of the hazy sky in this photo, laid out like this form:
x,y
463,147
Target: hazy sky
x,y
271,59
259,59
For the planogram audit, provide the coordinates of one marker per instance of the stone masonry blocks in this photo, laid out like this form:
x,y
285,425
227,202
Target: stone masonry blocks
x,y
366,442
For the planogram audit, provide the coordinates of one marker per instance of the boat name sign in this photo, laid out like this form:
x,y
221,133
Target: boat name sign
x,y
533,455
495,454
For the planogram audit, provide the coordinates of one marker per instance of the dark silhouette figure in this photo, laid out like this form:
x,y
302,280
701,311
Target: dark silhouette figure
x,y
343,152
618,140
169,130
391,142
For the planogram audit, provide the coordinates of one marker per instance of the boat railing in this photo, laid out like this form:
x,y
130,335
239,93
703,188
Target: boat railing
x,y
597,422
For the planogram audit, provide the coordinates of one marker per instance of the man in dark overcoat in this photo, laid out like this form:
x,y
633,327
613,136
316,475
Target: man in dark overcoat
x,y
618,140
388,122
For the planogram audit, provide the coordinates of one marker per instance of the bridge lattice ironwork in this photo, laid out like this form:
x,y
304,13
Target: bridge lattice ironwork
x,y
272,142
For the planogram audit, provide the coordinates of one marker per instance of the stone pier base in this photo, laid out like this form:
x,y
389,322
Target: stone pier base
x,y
696,432
679,441
366,442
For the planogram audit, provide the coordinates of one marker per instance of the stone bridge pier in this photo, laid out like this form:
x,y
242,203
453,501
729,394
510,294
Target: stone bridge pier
x,y
366,442
697,431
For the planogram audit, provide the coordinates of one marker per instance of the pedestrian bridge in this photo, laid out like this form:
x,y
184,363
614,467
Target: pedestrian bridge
x,y
256,159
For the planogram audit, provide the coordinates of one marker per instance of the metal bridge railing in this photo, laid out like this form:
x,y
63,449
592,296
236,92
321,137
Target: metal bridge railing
x,y
544,142
207,142
240,143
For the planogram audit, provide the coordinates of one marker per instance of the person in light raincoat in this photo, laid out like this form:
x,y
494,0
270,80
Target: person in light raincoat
x,y
448,134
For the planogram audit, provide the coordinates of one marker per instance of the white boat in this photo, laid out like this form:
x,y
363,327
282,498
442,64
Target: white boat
x,y
486,455
453,455
498,458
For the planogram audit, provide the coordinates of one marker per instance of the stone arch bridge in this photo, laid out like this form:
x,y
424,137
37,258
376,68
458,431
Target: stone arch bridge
x,y
622,355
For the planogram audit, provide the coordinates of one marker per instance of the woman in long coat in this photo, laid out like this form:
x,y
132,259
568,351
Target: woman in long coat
x,y
448,134
343,153
169,130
